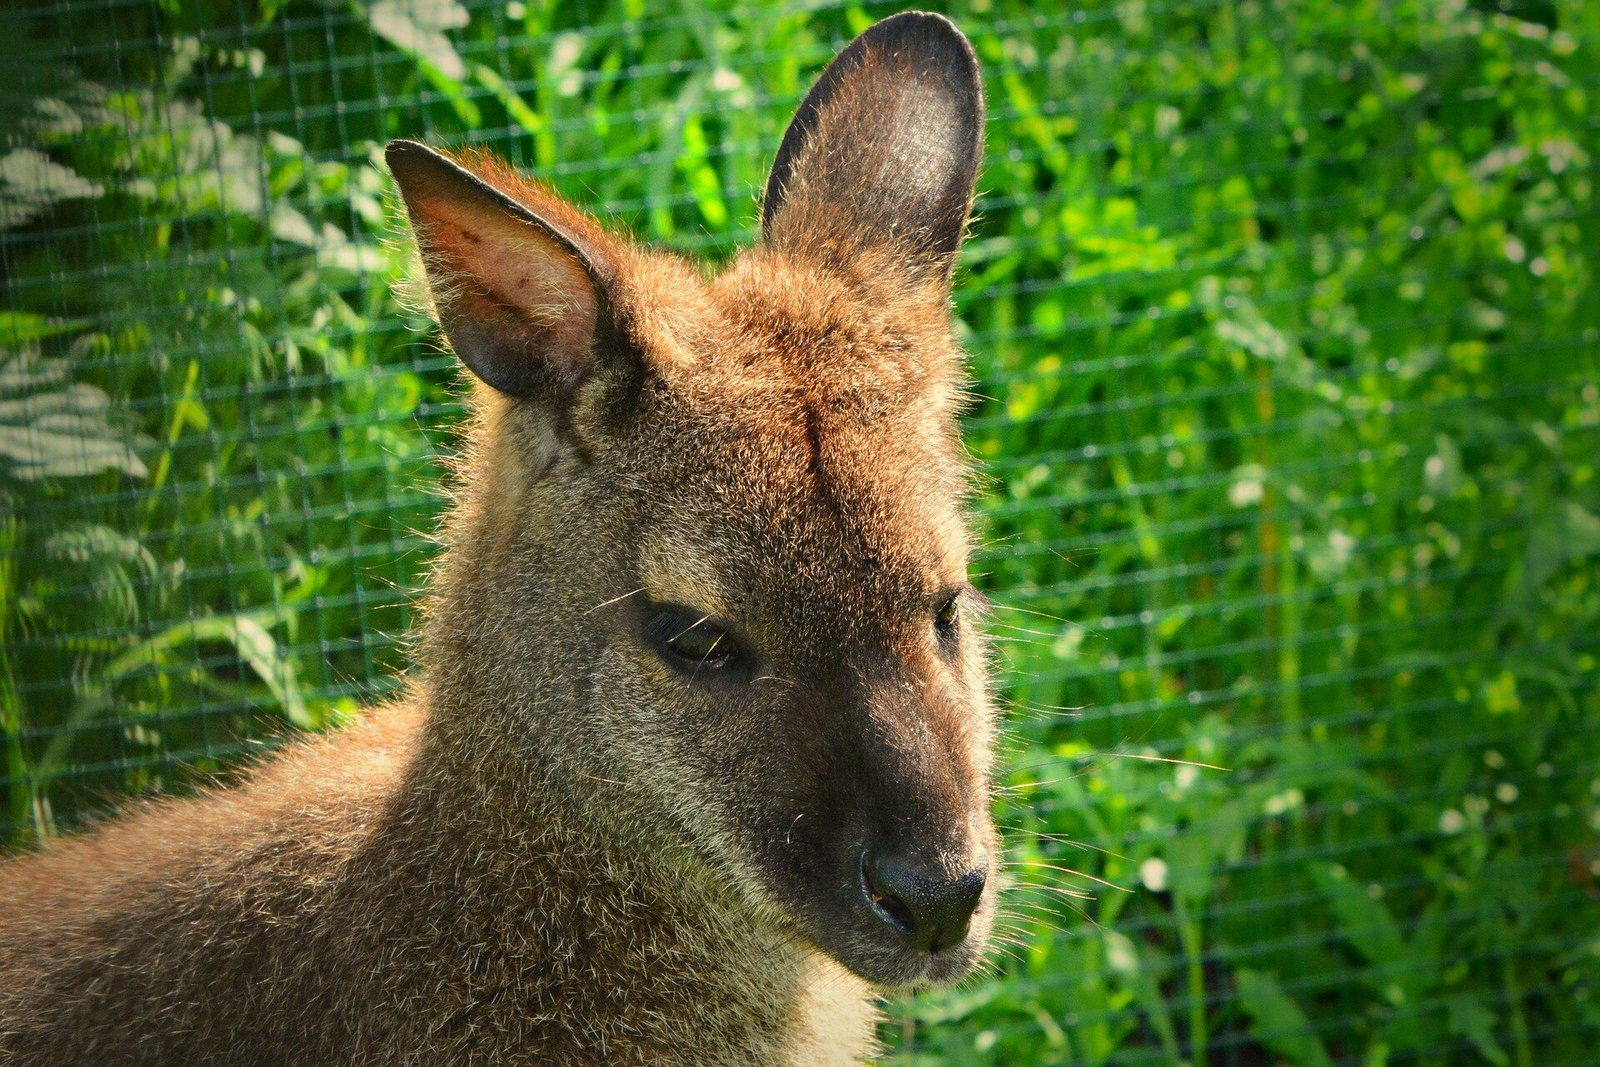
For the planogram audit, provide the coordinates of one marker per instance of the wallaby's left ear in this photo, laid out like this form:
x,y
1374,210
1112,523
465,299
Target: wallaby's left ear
x,y
884,150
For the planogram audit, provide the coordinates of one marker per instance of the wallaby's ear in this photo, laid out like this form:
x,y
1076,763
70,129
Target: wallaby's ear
x,y
884,150
520,296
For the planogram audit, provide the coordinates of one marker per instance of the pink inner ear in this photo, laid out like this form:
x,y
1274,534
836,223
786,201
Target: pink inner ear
x,y
483,263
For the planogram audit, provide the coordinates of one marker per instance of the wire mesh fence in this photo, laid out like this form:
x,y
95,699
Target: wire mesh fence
x,y
1286,344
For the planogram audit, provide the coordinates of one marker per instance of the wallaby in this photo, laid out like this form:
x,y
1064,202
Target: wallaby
x,y
696,761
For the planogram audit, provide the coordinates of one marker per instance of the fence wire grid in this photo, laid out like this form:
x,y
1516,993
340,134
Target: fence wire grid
x,y
1285,334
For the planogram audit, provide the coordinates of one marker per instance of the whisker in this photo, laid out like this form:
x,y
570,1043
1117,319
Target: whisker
x,y
1019,787
1078,874
1074,908
1088,759
615,600
597,778
1027,712
1061,839
1018,702
1166,759
1075,894
692,625
1001,606
1062,890
1014,951
1022,630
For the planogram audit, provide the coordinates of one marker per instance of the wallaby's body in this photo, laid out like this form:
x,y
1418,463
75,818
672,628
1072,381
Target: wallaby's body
x,y
699,752
304,919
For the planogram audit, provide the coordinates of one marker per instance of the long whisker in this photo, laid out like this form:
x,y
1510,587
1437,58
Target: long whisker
x,y
1018,703
692,625
615,600
1077,874
1162,759
1062,839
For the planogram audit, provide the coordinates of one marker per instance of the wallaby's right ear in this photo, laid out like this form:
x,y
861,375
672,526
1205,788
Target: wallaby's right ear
x,y
519,296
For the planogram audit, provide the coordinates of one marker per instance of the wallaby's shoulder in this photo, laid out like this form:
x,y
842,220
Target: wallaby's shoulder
x,y
312,795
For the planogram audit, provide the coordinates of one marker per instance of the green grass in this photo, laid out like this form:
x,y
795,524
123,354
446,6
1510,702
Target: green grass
x,y
1286,335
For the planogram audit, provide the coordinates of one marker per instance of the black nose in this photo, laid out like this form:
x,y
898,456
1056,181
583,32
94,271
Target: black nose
x,y
924,905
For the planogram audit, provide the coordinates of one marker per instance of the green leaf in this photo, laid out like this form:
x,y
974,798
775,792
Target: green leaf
x,y
1278,1022
17,327
417,27
1473,1021
509,98
1363,921
257,648
250,639
31,183
1568,533
51,427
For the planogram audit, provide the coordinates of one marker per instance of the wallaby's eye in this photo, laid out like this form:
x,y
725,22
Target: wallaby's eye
x,y
692,640
948,615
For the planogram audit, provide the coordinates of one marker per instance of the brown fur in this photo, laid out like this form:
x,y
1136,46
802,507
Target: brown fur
x,y
561,847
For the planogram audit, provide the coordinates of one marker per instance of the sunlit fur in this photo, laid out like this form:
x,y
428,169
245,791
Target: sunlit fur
x,y
558,847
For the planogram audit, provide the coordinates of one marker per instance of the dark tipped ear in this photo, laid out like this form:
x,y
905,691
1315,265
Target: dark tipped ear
x,y
885,148
519,296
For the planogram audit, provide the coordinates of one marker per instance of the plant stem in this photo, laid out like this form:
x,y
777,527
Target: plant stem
x,y
1193,938
18,782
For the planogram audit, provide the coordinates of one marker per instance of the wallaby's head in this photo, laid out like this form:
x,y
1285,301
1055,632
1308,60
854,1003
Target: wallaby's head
x,y
712,551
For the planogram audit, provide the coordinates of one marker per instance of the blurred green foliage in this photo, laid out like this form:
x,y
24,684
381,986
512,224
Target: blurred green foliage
x,y
1286,336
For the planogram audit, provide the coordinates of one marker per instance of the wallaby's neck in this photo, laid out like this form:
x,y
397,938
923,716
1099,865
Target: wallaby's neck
x,y
586,899
515,786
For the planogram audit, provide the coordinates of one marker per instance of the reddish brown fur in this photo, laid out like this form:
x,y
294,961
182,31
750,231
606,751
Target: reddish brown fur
x,y
559,847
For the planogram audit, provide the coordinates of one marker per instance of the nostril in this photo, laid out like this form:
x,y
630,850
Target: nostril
x,y
889,907
929,909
